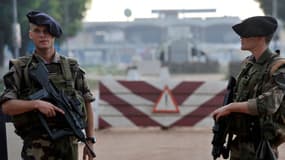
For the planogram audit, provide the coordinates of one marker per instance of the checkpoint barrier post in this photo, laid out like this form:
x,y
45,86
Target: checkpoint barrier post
x,y
157,103
3,137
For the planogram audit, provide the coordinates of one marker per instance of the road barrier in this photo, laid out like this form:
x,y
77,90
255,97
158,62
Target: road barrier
x,y
158,103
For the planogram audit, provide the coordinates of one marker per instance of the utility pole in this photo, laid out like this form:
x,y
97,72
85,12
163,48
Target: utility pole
x,y
65,24
275,14
16,30
274,8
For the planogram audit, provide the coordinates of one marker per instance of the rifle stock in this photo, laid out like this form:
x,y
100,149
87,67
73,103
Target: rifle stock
x,y
48,91
221,127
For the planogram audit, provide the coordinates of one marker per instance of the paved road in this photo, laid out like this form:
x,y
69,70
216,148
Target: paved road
x,y
156,144
144,144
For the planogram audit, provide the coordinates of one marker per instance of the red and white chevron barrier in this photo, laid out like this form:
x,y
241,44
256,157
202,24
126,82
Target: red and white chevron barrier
x,y
163,104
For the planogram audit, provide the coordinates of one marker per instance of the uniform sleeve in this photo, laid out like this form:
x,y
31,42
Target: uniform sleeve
x,y
82,86
252,106
269,101
12,84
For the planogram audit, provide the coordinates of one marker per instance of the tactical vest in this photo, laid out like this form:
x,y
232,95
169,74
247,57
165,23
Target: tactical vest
x,y
250,84
62,75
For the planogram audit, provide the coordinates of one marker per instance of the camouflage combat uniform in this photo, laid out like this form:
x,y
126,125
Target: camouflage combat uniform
x,y
36,144
264,96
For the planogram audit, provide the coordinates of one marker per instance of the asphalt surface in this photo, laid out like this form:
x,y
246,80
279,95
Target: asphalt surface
x,y
156,144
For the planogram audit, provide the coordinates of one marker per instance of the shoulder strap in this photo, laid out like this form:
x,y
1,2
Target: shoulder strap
x,y
245,66
19,64
66,66
264,72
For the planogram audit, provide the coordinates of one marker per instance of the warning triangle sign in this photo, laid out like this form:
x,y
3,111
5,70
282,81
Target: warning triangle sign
x,y
166,103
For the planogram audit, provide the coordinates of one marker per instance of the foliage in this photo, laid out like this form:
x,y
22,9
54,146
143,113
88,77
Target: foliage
x,y
69,13
102,70
267,7
95,73
93,84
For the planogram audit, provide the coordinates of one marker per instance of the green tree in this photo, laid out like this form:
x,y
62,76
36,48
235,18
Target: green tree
x,y
69,13
267,7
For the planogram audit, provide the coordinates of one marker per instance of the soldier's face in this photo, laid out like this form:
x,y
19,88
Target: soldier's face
x,y
41,37
250,43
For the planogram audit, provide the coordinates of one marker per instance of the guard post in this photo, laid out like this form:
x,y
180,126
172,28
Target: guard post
x,y
3,138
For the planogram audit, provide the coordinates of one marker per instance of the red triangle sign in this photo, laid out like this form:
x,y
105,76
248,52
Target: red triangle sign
x,y
166,103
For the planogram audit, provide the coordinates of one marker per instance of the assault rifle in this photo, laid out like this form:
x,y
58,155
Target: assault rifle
x,y
72,115
221,128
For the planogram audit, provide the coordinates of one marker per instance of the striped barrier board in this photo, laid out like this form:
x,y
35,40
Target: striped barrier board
x,y
157,103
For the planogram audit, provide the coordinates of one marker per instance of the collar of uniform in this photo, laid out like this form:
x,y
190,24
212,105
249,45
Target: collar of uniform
x,y
55,58
266,55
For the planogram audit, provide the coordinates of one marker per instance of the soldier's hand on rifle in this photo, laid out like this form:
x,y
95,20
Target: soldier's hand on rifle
x,y
222,111
86,153
47,108
237,107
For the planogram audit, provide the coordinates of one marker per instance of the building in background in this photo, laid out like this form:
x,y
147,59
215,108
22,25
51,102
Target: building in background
x,y
169,38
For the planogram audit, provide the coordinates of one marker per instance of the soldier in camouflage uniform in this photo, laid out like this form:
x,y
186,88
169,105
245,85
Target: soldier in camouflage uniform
x,y
258,92
66,75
